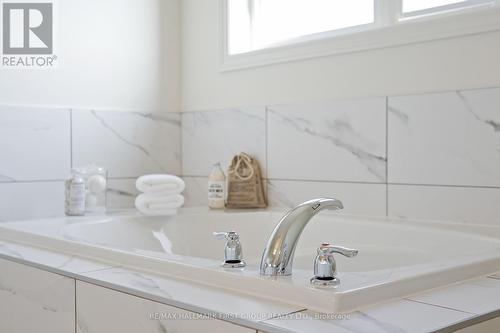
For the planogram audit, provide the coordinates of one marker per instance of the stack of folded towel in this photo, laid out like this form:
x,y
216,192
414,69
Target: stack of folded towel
x,y
161,194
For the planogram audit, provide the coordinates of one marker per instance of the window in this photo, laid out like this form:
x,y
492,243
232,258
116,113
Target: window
x,y
425,7
282,30
256,24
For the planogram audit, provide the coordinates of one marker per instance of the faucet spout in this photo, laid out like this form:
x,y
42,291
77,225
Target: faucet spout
x,y
277,258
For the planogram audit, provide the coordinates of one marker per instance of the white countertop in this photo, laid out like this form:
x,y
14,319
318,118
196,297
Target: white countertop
x,y
438,310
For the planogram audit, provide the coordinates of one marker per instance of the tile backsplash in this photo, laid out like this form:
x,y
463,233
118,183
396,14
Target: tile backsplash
x,y
431,156
35,144
39,146
445,139
129,144
337,141
215,136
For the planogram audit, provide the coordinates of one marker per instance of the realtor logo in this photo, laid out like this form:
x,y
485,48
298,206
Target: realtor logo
x,y
28,29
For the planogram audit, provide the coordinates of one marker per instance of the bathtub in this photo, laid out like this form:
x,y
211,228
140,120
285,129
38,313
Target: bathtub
x,y
396,257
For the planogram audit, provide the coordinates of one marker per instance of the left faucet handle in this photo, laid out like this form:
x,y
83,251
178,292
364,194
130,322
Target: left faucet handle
x,y
219,235
233,252
227,235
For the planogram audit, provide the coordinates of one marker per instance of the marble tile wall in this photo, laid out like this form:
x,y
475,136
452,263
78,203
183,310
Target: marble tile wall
x,y
431,156
216,136
39,146
444,156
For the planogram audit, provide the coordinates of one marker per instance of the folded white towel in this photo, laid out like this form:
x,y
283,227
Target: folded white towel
x,y
160,184
150,204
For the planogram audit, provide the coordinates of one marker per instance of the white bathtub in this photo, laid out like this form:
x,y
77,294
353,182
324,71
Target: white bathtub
x,y
396,258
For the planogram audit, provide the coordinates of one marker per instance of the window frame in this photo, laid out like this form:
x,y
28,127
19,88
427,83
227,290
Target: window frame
x,y
459,6
391,27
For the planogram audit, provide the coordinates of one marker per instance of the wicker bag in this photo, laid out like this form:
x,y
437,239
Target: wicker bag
x,y
245,187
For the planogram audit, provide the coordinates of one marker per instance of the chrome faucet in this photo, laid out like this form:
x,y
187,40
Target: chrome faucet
x,y
278,254
233,251
325,267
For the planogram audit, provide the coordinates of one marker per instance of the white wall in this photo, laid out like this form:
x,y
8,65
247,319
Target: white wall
x,y
452,64
113,54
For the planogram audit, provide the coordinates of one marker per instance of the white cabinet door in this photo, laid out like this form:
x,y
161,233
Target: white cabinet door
x,y
101,310
35,301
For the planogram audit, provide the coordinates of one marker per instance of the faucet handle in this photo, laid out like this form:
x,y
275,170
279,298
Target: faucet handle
x,y
327,249
227,235
233,252
325,267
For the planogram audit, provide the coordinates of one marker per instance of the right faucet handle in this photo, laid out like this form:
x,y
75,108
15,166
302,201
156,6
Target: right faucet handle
x,y
327,248
325,267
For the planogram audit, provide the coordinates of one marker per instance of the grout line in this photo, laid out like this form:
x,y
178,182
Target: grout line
x,y
366,183
279,179
32,181
327,181
266,119
469,322
439,306
446,185
76,313
181,142
301,180
71,138
342,99
387,156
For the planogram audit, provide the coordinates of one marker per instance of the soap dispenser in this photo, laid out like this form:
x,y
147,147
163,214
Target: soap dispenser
x,y
75,196
217,188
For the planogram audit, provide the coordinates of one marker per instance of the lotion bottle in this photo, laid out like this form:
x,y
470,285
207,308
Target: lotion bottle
x,y
217,188
75,196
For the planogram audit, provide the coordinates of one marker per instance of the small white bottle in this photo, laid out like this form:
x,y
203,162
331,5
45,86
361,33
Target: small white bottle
x,y
75,196
217,188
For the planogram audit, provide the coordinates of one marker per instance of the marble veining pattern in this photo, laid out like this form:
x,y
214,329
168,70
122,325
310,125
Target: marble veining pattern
x,y
40,145
200,298
462,204
360,199
216,136
336,141
494,124
340,148
394,316
4,178
134,315
478,296
47,300
49,259
445,139
477,119
131,143
127,141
